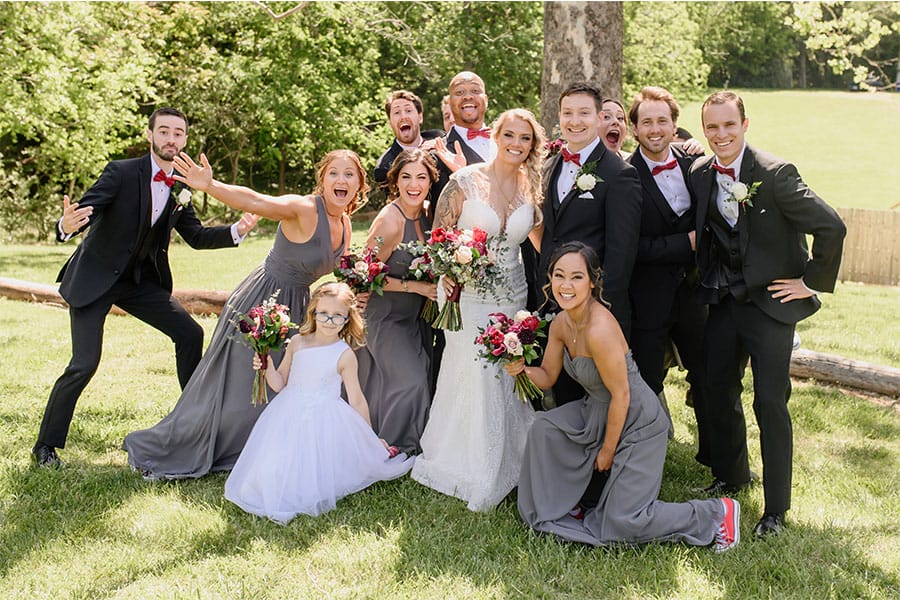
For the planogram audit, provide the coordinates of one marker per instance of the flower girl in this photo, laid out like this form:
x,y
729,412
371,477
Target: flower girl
x,y
310,448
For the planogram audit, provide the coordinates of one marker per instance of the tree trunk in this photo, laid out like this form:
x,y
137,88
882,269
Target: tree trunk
x,y
582,42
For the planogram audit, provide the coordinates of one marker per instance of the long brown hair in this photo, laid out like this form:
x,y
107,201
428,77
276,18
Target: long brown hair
x,y
354,330
408,157
361,195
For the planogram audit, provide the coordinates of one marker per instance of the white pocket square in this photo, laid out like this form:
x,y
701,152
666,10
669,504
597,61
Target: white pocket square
x,y
586,195
762,210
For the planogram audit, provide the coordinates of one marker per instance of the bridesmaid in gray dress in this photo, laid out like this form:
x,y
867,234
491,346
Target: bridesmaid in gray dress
x,y
209,425
394,364
619,429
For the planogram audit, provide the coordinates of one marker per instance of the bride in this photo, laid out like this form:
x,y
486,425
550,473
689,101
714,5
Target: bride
x,y
473,443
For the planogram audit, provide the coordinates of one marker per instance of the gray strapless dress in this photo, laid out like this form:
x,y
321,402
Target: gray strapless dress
x,y
559,460
394,365
212,420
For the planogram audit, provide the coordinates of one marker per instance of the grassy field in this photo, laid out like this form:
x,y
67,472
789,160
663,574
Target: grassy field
x,y
95,530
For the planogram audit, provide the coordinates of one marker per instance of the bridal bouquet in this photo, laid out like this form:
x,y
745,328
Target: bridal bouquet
x,y
264,328
506,340
362,270
462,255
422,269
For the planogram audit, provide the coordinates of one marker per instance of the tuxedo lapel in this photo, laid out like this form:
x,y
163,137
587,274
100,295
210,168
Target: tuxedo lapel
x,y
706,187
549,176
144,197
649,184
748,166
472,157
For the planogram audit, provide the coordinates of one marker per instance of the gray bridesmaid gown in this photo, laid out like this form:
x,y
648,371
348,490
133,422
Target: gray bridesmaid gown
x,y
212,420
559,460
394,365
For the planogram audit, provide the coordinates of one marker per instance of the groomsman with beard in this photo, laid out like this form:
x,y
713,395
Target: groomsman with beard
x,y
663,284
404,112
592,196
129,214
759,279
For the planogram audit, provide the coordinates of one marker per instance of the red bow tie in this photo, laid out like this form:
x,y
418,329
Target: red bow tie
x,y
660,168
574,157
724,170
474,133
161,176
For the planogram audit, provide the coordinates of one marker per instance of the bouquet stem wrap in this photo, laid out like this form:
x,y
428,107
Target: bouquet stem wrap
x,y
450,318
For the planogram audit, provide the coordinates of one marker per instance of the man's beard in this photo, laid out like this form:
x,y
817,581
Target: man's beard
x,y
164,154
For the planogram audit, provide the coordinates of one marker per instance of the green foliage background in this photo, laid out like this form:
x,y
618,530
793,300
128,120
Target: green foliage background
x,y
268,97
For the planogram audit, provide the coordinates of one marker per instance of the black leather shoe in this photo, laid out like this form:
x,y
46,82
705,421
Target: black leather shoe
x,y
45,456
719,487
770,524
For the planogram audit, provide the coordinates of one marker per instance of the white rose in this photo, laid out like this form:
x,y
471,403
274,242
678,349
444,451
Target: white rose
x,y
521,316
184,197
463,255
361,267
586,182
465,237
513,345
739,191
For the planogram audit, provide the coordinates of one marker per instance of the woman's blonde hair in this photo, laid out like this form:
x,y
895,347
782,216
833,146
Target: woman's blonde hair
x,y
354,330
535,158
361,195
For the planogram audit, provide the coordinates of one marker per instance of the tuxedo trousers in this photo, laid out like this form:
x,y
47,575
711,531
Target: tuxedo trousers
x,y
684,327
735,330
149,302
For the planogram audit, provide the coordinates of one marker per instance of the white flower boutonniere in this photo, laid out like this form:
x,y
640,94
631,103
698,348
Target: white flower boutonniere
x,y
585,180
184,197
742,194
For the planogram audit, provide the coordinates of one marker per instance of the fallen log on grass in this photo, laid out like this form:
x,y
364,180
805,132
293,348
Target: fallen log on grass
x,y
805,364
198,302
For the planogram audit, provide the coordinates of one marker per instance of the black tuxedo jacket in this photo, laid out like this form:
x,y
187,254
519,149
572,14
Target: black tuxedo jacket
x,y
772,232
379,174
607,218
120,221
664,257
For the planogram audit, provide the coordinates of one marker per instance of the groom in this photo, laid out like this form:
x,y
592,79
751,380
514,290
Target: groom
x,y
753,214
123,260
592,196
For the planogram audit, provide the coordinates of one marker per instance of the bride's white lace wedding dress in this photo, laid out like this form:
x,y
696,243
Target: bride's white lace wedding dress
x,y
473,443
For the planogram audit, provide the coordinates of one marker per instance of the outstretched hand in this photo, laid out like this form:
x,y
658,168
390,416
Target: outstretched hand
x,y
74,218
454,162
198,177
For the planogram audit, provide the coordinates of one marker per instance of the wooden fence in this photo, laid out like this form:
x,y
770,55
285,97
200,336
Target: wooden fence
x,y
872,246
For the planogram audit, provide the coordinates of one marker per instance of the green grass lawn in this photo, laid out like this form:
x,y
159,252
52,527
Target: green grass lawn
x,y
95,530
845,144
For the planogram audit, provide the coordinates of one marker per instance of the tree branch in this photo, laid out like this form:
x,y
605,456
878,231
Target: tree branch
x,y
286,13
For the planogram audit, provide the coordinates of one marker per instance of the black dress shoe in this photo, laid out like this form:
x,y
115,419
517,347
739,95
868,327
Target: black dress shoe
x,y
45,456
770,524
719,487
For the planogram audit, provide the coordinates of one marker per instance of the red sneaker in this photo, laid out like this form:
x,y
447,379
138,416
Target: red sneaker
x,y
729,533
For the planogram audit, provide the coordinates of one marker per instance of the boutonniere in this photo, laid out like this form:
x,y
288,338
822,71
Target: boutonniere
x,y
742,194
585,179
182,195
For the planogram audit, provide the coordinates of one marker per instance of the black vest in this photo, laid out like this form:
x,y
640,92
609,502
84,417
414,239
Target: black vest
x,y
727,267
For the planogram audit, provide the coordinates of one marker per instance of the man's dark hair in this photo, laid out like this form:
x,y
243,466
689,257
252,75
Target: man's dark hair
x,y
168,111
583,87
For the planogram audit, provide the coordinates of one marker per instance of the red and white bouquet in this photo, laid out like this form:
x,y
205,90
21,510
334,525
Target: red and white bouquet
x,y
362,270
264,328
462,255
506,340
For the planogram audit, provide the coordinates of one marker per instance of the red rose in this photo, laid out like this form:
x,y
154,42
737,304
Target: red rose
x,y
374,270
531,323
496,338
438,236
479,235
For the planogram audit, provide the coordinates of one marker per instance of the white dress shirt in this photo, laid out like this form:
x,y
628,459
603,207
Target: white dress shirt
x,y
484,146
729,208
